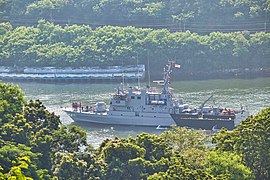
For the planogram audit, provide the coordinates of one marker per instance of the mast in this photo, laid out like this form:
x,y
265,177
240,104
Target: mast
x,y
167,76
148,64
139,84
123,75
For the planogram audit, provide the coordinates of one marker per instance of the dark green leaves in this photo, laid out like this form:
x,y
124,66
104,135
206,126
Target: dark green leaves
x,y
77,46
35,145
251,140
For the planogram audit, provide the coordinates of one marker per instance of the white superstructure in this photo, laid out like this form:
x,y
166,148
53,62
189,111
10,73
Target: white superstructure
x,y
134,106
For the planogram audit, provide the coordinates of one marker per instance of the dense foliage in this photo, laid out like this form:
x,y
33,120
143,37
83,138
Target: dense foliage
x,y
251,140
196,15
77,46
34,145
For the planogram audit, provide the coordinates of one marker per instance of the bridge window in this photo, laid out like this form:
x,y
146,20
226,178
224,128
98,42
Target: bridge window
x,y
139,97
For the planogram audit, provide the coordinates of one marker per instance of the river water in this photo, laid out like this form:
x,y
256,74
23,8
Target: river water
x,y
231,93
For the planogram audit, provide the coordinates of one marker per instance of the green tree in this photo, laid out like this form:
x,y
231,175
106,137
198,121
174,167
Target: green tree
x,y
4,9
251,8
182,139
227,165
68,139
69,166
13,159
39,117
251,141
192,159
157,152
180,169
77,46
5,27
17,130
46,7
258,49
118,157
11,102
16,172
41,124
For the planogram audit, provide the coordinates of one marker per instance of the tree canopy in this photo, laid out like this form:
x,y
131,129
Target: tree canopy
x,y
201,16
78,46
35,145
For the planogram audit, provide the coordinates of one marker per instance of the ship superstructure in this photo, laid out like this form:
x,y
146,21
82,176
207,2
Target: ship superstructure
x,y
151,106
133,106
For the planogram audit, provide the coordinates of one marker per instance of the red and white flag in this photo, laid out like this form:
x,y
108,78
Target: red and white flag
x,y
177,65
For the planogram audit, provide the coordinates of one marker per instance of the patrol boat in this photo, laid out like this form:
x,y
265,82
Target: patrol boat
x,y
208,117
133,106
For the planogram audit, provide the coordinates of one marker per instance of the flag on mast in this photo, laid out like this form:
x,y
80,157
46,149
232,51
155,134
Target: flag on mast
x,y
177,65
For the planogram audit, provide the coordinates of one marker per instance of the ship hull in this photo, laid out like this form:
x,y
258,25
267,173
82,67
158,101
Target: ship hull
x,y
146,119
203,123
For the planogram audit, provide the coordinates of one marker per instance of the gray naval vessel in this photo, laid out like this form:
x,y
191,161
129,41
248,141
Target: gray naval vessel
x,y
151,106
208,117
147,106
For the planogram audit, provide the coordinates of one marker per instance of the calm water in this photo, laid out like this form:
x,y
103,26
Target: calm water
x,y
254,93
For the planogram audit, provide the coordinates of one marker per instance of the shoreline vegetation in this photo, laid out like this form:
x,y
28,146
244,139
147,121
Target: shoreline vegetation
x,y
240,54
35,145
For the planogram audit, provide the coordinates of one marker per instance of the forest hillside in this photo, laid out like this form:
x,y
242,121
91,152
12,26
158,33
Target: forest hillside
x,y
208,38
